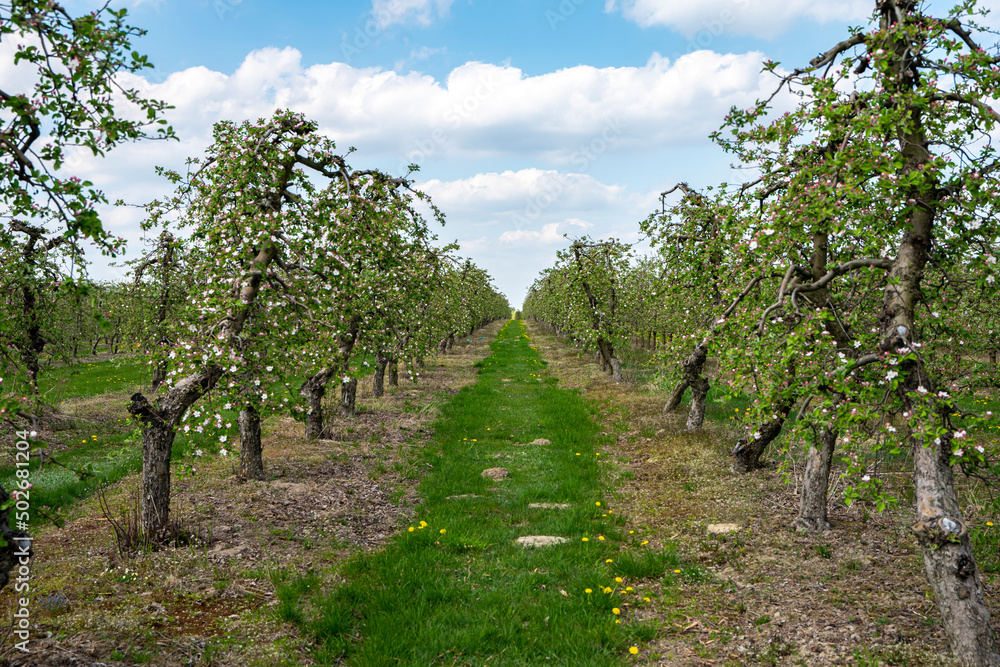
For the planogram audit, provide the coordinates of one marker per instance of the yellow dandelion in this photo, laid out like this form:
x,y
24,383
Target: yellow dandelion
x,y
600,537
586,539
629,589
633,650
609,561
607,589
616,611
587,591
644,542
410,529
646,599
677,571
598,503
989,523
443,531
618,579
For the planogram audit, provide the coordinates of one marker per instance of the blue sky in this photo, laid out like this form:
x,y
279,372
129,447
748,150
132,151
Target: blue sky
x,y
530,119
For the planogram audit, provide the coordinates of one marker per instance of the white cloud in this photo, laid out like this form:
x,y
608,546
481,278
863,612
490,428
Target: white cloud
x,y
421,12
552,233
706,20
529,193
569,117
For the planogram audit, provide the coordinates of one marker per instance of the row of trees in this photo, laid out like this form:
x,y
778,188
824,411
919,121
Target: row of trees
x,y
849,287
276,264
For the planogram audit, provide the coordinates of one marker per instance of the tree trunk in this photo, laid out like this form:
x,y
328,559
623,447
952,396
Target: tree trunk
x,y
348,394
159,374
693,367
442,346
948,558
251,461
675,397
749,448
451,341
157,441
314,390
812,509
607,352
378,377
393,372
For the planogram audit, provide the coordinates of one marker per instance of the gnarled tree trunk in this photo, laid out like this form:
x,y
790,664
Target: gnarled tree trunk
x,y
675,397
393,372
378,376
251,449
348,396
693,367
812,509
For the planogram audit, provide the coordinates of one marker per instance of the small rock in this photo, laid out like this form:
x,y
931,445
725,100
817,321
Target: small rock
x,y
721,528
550,506
540,540
541,441
495,473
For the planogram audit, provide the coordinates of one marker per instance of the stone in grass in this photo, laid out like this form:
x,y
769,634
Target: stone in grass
x,y
540,540
721,528
495,473
550,506
538,441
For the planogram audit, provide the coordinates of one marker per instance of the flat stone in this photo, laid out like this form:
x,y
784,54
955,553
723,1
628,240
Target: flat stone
x,y
721,528
550,506
540,540
538,441
495,473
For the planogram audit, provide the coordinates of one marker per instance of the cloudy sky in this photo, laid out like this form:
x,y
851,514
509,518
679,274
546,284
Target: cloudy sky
x,y
530,119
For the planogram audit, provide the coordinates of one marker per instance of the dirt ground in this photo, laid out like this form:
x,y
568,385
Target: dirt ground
x,y
853,596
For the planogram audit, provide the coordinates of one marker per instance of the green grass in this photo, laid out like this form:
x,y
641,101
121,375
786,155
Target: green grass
x,y
454,587
93,379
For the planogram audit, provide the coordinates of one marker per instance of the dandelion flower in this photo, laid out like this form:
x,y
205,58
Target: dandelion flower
x,y
586,539
609,561
989,523
616,611
410,529
598,503
600,537
644,542
633,650
443,531
618,579
677,571
587,591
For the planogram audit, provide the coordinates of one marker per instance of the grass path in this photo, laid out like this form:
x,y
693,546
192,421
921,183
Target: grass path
x,y
455,588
